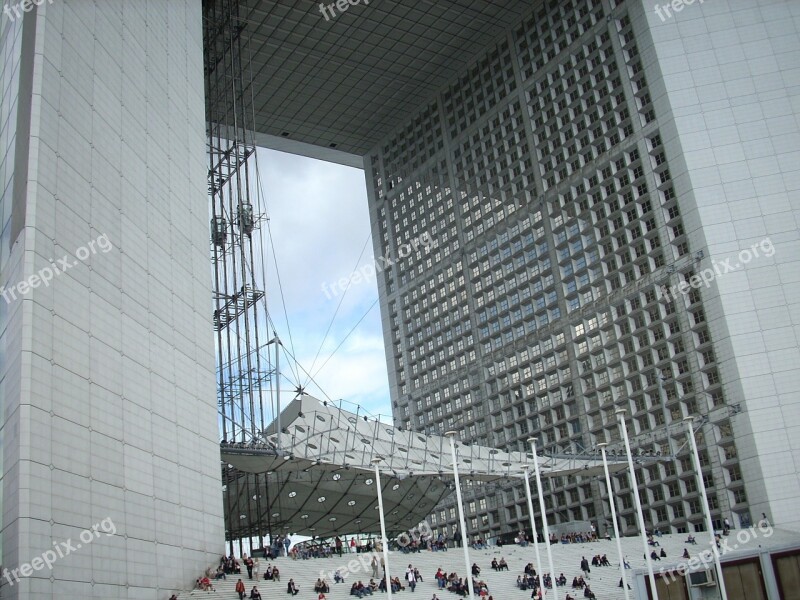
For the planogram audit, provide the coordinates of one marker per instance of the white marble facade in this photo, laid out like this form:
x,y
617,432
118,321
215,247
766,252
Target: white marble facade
x,y
728,72
113,422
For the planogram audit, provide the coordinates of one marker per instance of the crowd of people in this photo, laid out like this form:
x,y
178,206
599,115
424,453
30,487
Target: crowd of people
x,y
529,580
328,549
459,585
600,561
424,541
575,538
452,582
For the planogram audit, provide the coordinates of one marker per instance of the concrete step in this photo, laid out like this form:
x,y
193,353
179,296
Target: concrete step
x,y
502,585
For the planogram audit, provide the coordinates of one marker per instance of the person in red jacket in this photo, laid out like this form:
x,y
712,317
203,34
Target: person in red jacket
x,y
240,589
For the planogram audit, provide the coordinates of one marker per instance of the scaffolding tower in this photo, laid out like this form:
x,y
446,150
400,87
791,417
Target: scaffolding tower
x,y
245,373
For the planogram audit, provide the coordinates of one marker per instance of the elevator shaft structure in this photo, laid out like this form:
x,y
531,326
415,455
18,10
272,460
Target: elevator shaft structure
x,y
244,370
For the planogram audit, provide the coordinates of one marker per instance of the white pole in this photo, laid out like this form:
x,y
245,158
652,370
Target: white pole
x,y
278,389
621,414
614,519
700,484
545,528
464,537
533,521
384,539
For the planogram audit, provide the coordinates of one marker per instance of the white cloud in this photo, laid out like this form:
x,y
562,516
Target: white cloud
x,y
320,222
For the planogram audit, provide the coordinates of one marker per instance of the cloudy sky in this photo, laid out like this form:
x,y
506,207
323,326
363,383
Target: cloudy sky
x,y
319,222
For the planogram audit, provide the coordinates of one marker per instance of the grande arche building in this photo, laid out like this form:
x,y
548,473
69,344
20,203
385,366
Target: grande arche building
x,y
574,161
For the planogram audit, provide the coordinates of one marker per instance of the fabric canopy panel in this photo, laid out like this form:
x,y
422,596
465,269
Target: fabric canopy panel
x,y
320,474
321,502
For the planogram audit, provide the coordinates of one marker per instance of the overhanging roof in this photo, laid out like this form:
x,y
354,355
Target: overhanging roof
x,y
320,475
347,82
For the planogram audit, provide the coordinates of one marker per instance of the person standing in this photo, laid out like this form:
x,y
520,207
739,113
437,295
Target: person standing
x,y
411,578
585,568
374,566
248,562
286,543
240,589
338,545
352,545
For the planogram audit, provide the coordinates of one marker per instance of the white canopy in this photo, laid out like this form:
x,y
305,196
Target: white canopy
x,y
320,472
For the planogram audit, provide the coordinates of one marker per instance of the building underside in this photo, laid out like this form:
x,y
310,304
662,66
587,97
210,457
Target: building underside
x,y
334,89
320,478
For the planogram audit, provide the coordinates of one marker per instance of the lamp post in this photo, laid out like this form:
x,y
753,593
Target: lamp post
x,y
614,519
706,509
545,529
464,538
384,539
621,417
526,470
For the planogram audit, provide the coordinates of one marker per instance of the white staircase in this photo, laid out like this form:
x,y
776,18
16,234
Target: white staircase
x,y
502,585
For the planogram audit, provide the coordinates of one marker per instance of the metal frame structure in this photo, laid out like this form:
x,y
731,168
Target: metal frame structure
x,y
244,368
318,468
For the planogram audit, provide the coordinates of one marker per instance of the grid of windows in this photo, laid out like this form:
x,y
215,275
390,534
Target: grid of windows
x,y
545,303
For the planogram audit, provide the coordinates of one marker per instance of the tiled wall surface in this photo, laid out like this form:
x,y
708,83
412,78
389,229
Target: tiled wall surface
x,y
116,416
728,73
10,264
